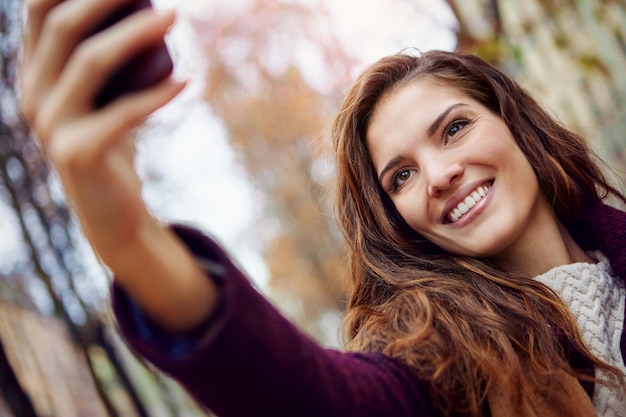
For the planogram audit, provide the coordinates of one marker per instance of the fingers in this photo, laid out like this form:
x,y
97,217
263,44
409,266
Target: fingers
x,y
62,79
99,56
36,10
54,28
64,28
91,65
63,72
80,145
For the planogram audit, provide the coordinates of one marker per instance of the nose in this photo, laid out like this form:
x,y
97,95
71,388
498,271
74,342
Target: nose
x,y
441,175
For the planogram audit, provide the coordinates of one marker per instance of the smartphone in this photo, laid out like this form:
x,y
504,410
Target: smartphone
x,y
146,69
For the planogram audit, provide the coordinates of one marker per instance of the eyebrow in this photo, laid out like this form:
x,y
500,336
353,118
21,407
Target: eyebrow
x,y
390,165
437,122
434,126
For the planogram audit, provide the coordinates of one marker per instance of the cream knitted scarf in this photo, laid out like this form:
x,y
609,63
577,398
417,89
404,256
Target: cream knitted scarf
x,y
596,298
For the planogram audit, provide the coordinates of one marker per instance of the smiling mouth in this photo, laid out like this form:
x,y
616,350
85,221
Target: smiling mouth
x,y
466,205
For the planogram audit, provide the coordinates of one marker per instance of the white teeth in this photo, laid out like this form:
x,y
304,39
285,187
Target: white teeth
x,y
469,202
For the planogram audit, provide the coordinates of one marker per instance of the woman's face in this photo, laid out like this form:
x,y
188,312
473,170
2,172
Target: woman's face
x,y
455,173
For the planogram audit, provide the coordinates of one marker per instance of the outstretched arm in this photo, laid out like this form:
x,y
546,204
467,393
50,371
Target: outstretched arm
x,y
249,360
60,74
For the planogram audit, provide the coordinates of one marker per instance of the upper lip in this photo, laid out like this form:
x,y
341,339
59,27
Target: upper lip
x,y
460,195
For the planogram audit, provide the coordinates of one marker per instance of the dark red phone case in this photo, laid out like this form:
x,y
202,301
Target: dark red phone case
x,y
146,69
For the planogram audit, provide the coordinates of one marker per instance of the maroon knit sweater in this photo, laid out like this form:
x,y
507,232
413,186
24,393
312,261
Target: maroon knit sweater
x,y
253,362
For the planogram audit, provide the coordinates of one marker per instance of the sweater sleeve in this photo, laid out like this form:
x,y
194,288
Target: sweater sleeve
x,y
248,360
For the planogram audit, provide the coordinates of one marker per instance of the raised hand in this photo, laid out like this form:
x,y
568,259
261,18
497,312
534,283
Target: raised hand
x,y
61,73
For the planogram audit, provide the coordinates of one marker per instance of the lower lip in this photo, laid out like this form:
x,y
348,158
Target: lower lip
x,y
475,211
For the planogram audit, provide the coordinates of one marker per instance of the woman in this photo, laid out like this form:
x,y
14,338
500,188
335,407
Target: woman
x,y
462,203
461,192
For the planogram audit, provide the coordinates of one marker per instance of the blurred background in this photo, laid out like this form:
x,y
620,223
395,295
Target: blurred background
x,y
243,154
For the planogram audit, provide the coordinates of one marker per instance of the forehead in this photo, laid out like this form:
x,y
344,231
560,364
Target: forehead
x,y
405,113
422,98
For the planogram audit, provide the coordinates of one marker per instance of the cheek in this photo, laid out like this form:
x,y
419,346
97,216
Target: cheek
x,y
414,212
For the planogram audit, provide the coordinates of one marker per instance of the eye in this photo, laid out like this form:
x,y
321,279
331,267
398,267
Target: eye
x,y
455,127
401,177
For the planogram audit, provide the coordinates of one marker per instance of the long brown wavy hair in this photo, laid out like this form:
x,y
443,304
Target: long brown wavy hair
x,y
463,324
